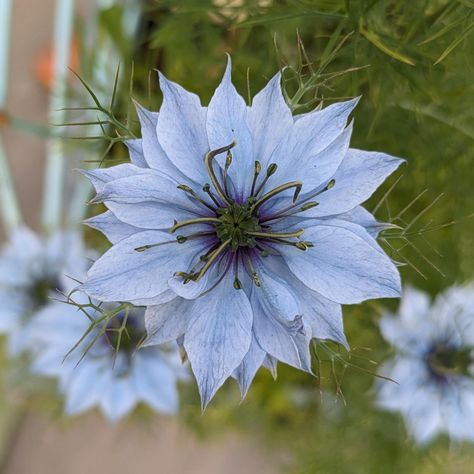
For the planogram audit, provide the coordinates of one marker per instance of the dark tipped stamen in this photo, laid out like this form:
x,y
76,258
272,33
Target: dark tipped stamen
x,y
272,167
212,258
210,170
283,213
191,192
150,246
207,189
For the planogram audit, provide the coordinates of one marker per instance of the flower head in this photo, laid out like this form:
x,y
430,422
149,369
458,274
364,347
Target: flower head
x,y
112,373
33,270
240,228
434,365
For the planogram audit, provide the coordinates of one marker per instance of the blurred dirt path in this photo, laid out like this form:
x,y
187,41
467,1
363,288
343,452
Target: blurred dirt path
x,y
89,444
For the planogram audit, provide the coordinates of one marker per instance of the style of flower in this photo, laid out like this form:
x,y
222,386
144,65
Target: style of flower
x,y
240,227
111,373
434,365
33,271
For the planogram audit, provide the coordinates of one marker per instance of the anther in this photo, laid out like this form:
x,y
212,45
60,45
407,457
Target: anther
x,y
207,189
199,220
258,168
181,239
191,192
272,167
237,284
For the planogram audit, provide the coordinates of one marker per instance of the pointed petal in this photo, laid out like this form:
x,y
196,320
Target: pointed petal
x,y
219,336
278,324
181,130
167,322
101,176
124,274
114,229
246,371
342,266
135,150
270,119
226,122
359,175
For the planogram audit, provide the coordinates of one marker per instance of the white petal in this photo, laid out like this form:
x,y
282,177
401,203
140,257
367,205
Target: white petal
x,y
269,120
119,398
124,274
152,150
246,371
101,176
342,267
226,122
181,130
114,229
356,179
167,322
219,336
135,149
278,324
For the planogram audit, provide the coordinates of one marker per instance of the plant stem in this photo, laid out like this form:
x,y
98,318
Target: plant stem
x,y
8,200
54,173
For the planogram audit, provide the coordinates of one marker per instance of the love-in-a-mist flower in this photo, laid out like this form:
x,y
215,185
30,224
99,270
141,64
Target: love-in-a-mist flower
x,y
434,365
112,373
241,228
33,271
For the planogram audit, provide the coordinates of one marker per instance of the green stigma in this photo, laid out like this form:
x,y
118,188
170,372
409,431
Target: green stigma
x,y
236,223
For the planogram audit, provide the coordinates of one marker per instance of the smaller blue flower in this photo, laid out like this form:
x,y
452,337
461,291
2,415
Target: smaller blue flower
x,y
111,374
33,270
434,365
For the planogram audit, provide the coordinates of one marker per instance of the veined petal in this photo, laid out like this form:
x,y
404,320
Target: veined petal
x,y
114,229
269,120
135,150
154,154
219,336
181,130
342,266
307,162
278,325
360,215
101,176
226,122
356,179
167,322
124,274
246,371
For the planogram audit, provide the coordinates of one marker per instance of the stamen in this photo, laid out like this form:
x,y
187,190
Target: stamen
x,y
190,191
208,162
305,207
198,220
258,168
212,259
253,272
207,189
279,189
276,235
270,170
150,246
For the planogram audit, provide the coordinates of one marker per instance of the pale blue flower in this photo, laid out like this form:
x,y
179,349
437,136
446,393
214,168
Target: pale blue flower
x,y
433,368
240,227
115,377
33,271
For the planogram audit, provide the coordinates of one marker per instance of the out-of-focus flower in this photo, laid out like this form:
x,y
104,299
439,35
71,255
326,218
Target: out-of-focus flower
x,y
112,373
433,368
241,228
33,271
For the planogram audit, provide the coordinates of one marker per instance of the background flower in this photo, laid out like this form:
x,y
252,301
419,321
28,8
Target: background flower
x,y
433,368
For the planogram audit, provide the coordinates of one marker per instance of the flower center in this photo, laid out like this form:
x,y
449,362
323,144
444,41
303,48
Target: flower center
x,y
237,224
41,289
239,230
444,360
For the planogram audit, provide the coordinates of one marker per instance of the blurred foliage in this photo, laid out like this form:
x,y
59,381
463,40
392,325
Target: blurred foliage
x,y
412,62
